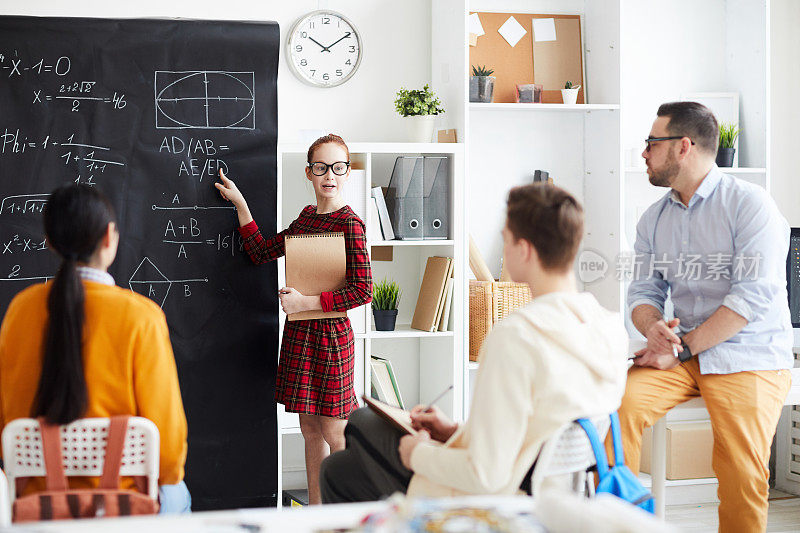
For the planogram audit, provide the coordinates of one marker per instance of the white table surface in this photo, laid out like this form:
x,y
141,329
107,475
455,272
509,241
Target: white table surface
x,y
307,519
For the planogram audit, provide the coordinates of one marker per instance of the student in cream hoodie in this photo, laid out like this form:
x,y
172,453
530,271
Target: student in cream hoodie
x,y
559,358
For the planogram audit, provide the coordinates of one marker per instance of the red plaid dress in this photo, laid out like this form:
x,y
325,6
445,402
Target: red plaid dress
x,y
315,371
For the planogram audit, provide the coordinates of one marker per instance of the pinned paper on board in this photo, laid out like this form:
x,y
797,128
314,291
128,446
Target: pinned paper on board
x,y
544,30
512,31
475,25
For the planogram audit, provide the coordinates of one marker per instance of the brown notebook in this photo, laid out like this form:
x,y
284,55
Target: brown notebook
x,y
437,270
398,418
315,263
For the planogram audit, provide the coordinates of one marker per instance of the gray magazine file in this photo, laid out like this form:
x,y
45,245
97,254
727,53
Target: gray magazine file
x,y
435,202
404,198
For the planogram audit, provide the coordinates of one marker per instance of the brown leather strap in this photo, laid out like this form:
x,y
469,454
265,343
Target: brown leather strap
x,y
113,457
45,507
74,504
124,504
53,462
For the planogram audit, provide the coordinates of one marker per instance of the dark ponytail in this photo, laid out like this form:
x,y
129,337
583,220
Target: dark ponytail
x,y
76,218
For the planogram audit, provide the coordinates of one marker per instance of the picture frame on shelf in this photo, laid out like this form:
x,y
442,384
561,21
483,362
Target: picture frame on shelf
x,y
724,105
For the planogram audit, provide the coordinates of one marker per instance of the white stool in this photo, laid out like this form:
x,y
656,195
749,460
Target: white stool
x,y
658,456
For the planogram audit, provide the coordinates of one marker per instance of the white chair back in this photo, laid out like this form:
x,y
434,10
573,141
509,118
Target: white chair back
x,y
568,451
83,446
5,502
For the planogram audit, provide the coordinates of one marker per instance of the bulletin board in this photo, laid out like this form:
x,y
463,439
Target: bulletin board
x,y
549,63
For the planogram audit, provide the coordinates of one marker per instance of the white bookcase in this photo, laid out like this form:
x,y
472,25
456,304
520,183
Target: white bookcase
x,y
425,363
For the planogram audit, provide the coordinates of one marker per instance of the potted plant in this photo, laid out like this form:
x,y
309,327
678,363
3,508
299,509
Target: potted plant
x,y
385,299
569,94
728,133
481,84
419,108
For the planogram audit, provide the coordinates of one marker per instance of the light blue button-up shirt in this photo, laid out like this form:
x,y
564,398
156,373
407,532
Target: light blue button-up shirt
x,y
728,247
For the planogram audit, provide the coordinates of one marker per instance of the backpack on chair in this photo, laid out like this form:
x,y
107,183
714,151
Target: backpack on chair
x,y
619,480
59,502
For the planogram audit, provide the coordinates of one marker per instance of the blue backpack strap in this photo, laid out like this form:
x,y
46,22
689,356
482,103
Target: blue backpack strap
x,y
616,438
597,446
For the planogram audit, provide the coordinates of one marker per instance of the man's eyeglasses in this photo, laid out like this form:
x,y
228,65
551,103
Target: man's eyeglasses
x,y
320,169
650,140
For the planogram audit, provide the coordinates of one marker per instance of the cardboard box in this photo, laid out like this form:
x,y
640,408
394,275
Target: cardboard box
x,y
446,136
689,446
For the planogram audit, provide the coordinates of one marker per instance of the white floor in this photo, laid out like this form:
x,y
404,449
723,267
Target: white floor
x,y
784,515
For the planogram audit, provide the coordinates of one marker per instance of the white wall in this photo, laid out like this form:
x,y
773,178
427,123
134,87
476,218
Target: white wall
x,y
396,52
669,48
785,116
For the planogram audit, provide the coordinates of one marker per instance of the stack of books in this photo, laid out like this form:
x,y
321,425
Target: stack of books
x,y
382,226
384,382
435,296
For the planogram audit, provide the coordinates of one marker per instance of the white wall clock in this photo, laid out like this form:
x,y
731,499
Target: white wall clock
x,y
323,49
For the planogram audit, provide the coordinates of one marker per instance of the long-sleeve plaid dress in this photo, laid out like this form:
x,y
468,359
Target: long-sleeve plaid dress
x,y
315,371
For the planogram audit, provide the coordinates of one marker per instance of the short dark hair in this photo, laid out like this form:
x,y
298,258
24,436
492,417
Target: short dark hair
x,y
550,219
692,120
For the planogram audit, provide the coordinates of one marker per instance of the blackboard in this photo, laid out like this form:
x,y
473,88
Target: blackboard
x,y
147,111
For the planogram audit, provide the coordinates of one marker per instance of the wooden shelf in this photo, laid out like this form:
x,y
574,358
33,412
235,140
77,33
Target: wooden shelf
x,y
430,242
544,107
382,148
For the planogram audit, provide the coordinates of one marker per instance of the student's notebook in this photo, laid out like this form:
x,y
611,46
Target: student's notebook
x,y
315,263
397,417
437,270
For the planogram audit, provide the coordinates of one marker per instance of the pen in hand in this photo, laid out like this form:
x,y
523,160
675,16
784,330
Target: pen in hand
x,y
428,407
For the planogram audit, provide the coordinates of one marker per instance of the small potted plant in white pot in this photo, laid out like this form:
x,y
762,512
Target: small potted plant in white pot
x,y
481,84
385,299
419,107
728,133
569,94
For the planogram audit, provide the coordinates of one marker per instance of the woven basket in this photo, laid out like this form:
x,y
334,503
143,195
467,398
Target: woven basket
x,y
489,303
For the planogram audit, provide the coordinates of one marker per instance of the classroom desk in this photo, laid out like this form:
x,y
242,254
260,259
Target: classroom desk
x,y
265,520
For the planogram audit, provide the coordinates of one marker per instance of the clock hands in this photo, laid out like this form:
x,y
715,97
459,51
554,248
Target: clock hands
x,y
345,36
320,44
328,48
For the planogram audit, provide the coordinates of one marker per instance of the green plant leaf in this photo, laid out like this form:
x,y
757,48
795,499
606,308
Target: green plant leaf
x,y
385,294
728,133
417,102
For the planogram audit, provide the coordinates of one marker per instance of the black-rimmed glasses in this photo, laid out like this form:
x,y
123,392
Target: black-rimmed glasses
x,y
318,168
656,139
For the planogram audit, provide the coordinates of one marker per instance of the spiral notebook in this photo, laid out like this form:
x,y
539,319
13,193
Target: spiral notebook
x,y
315,263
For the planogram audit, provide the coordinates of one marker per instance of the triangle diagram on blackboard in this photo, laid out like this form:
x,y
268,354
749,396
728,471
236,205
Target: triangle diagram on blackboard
x,y
148,281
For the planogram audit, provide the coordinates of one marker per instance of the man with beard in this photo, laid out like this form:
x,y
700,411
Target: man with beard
x,y
719,245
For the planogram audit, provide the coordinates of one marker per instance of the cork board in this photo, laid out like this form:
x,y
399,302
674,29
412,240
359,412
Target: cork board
x,y
549,63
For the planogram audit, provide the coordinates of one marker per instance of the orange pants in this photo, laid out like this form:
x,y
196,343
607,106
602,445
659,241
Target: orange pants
x,y
744,409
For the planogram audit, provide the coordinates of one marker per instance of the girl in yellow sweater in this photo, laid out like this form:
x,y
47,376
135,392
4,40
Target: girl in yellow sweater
x,y
79,346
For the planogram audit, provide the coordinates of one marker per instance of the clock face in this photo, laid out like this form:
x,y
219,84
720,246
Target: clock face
x,y
324,49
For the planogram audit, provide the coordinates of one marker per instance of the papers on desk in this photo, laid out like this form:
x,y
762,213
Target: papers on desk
x,y
487,514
